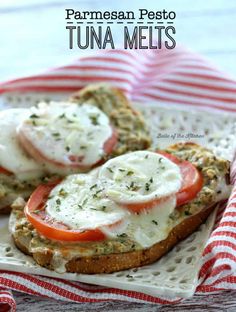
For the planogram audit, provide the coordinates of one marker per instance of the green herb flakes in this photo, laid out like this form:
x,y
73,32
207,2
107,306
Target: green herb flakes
x,y
147,187
34,116
129,173
94,119
93,186
122,235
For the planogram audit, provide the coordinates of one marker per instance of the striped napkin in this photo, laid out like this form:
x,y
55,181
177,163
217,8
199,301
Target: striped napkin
x,y
178,77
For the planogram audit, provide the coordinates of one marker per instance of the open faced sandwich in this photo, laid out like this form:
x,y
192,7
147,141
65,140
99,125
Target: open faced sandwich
x,y
60,138
124,214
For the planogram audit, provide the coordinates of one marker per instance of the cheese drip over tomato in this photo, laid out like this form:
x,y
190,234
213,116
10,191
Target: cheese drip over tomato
x,y
67,137
13,158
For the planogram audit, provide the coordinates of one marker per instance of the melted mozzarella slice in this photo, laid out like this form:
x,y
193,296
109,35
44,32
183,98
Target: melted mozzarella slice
x,y
79,203
140,176
151,226
12,156
146,228
65,134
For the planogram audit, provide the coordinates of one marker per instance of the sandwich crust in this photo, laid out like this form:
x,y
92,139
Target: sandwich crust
x,y
122,253
116,261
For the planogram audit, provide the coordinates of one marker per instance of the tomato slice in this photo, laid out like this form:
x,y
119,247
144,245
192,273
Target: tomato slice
x,y
5,171
192,179
110,143
75,161
54,230
35,213
192,182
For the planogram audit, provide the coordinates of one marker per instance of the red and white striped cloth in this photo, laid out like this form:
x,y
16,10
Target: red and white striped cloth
x,y
178,77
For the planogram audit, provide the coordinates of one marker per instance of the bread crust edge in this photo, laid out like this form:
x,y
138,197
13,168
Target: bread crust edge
x,y
120,261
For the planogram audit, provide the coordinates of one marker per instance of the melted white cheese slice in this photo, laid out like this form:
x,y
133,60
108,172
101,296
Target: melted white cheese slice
x,y
79,203
12,156
146,228
66,132
223,190
140,176
151,226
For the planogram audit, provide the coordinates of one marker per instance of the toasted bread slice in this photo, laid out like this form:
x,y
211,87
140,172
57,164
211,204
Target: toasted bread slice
x,y
122,253
129,124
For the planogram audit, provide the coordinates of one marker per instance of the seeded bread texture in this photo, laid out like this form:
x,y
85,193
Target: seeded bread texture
x,y
132,130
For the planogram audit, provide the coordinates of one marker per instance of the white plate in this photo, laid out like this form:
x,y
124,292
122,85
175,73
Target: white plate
x,y
175,274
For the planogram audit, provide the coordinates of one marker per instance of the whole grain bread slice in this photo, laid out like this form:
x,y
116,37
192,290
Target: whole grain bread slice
x,y
124,254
